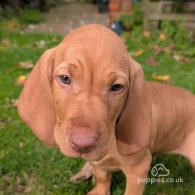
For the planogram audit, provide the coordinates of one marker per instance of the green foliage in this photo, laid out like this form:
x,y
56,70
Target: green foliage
x,y
30,16
131,20
6,12
176,31
169,28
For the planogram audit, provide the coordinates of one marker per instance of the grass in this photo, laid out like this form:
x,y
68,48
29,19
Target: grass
x,y
30,16
29,167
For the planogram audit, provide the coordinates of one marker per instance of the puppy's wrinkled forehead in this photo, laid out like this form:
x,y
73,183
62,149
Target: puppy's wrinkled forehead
x,y
92,42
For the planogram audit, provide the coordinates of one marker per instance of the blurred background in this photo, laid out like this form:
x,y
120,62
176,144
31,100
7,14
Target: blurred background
x,y
159,34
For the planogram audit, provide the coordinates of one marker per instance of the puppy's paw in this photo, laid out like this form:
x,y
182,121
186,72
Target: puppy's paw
x,y
84,174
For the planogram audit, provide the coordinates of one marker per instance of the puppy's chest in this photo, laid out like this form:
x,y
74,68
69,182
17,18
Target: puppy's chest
x,y
110,163
113,161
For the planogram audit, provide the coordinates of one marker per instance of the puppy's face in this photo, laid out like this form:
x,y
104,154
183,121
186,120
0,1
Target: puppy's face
x,y
90,82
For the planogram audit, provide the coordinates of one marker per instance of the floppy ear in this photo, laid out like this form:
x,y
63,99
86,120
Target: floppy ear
x,y
35,104
133,128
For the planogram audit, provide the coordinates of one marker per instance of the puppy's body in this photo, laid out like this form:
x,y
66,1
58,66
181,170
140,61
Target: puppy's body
x,y
173,119
173,132
102,109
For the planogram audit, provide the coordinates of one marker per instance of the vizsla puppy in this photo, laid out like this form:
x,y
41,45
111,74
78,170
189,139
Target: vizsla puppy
x,y
88,97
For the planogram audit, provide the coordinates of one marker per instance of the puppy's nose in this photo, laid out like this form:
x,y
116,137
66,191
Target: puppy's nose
x,y
83,141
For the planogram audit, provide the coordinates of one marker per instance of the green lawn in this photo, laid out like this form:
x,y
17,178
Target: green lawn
x,y
28,166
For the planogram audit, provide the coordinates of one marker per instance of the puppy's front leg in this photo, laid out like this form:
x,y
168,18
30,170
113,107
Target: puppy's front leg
x,y
136,175
103,181
84,174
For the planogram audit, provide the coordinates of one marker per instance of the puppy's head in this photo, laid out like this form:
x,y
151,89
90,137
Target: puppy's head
x,y
77,92
90,82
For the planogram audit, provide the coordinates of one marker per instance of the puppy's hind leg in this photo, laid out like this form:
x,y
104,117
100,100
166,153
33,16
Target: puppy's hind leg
x,y
187,148
84,174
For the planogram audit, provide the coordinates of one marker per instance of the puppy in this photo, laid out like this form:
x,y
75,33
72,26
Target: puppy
x,y
90,98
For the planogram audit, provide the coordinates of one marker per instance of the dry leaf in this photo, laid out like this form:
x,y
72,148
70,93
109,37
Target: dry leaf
x,y
6,178
157,49
177,57
27,189
171,46
147,34
21,145
162,37
41,44
164,78
180,58
12,24
6,42
21,80
25,65
139,52
152,62
14,102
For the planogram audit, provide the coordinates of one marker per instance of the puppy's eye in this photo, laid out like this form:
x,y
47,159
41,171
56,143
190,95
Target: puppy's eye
x,y
116,87
65,79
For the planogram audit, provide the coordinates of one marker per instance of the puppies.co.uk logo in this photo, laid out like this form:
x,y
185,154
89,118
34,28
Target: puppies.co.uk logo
x,y
160,170
160,174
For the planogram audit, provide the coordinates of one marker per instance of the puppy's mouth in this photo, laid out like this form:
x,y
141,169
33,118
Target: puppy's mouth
x,y
83,151
90,154
94,153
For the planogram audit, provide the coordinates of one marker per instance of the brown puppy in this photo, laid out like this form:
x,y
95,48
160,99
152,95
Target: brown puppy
x,y
88,97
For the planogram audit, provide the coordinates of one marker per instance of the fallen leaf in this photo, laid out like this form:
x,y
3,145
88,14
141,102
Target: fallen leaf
x,y
21,80
139,52
41,44
18,187
177,57
25,65
6,42
21,145
164,78
6,178
162,37
9,103
171,46
147,34
12,24
180,58
152,62
157,49
27,189
14,102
